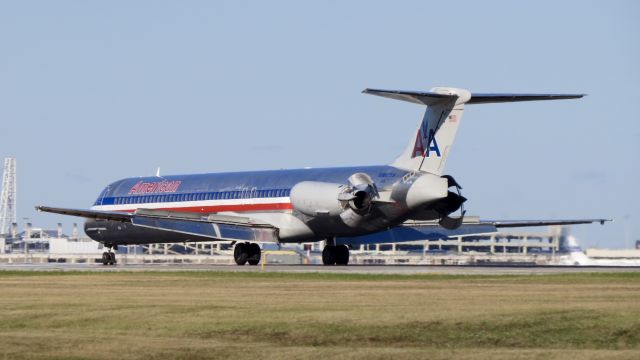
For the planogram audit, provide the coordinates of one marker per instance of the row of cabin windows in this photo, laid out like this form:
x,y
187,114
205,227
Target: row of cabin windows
x,y
221,195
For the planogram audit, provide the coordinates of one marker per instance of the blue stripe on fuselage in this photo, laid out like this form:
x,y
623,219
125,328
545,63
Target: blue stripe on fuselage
x,y
272,183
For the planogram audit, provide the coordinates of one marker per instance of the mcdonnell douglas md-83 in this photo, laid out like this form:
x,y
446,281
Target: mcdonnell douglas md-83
x,y
407,200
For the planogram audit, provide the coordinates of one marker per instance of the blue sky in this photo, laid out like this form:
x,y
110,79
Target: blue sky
x,y
91,92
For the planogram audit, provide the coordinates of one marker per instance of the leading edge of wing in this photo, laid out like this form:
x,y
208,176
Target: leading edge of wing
x,y
529,223
90,214
213,226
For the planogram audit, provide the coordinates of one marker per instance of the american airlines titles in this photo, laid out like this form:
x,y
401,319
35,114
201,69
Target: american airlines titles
x,y
155,187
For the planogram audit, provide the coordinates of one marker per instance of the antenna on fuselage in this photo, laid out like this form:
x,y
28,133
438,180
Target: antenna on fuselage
x,y
158,172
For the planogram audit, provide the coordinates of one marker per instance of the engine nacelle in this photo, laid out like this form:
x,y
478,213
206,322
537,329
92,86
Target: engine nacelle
x,y
315,198
349,203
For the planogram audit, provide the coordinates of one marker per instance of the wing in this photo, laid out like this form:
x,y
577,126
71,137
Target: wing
x,y
529,223
430,230
89,214
216,227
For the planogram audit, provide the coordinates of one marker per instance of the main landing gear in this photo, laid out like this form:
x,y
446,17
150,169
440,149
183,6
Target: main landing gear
x,y
109,257
247,253
335,255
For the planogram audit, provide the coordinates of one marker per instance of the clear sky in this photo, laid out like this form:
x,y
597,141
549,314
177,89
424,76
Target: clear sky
x,y
91,92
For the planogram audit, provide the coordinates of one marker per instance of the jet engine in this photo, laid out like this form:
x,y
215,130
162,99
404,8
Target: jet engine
x,y
450,204
351,202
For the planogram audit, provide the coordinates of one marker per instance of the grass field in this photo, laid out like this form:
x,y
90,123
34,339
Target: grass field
x,y
206,315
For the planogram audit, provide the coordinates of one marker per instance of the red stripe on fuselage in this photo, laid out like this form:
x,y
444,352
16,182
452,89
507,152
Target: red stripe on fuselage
x,y
221,208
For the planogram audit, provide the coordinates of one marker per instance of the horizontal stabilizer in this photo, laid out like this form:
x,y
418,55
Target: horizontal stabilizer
x,y
430,98
416,97
502,98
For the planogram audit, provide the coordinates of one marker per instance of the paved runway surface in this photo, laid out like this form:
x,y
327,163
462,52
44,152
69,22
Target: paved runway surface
x,y
351,269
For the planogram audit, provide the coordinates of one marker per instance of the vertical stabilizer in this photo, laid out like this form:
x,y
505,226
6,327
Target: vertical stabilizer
x,y
429,148
430,144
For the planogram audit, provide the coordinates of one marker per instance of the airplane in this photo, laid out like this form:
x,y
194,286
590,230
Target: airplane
x,y
407,200
571,254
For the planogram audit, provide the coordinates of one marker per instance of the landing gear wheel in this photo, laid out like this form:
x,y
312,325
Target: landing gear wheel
x,y
241,253
342,255
329,255
106,258
254,254
112,258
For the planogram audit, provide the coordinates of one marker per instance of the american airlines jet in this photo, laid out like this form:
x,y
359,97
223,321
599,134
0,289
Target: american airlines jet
x,y
407,200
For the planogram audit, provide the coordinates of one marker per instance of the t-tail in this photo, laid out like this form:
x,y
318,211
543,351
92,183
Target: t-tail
x,y
429,147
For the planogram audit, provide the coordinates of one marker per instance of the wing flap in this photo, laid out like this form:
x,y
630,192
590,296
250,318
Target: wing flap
x,y
417,232
413,230
218,231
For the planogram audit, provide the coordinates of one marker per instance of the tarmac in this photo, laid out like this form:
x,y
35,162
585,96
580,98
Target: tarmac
x,y
349,269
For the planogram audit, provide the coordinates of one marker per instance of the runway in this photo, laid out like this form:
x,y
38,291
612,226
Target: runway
x,y
350,269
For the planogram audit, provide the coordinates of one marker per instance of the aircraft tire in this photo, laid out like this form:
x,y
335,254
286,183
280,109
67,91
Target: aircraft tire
x,y
342,255
112,258
254,254
105,258
241,253
329,255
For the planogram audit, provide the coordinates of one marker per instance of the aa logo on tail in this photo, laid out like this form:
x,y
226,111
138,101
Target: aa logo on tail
x,y
419,148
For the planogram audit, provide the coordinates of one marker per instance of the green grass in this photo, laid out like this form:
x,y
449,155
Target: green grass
x,y
200,315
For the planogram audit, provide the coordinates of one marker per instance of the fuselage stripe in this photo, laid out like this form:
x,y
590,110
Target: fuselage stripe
x,y
209,208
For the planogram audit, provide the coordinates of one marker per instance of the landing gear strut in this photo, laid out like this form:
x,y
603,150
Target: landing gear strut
x,y
109,257
247,252
335,255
